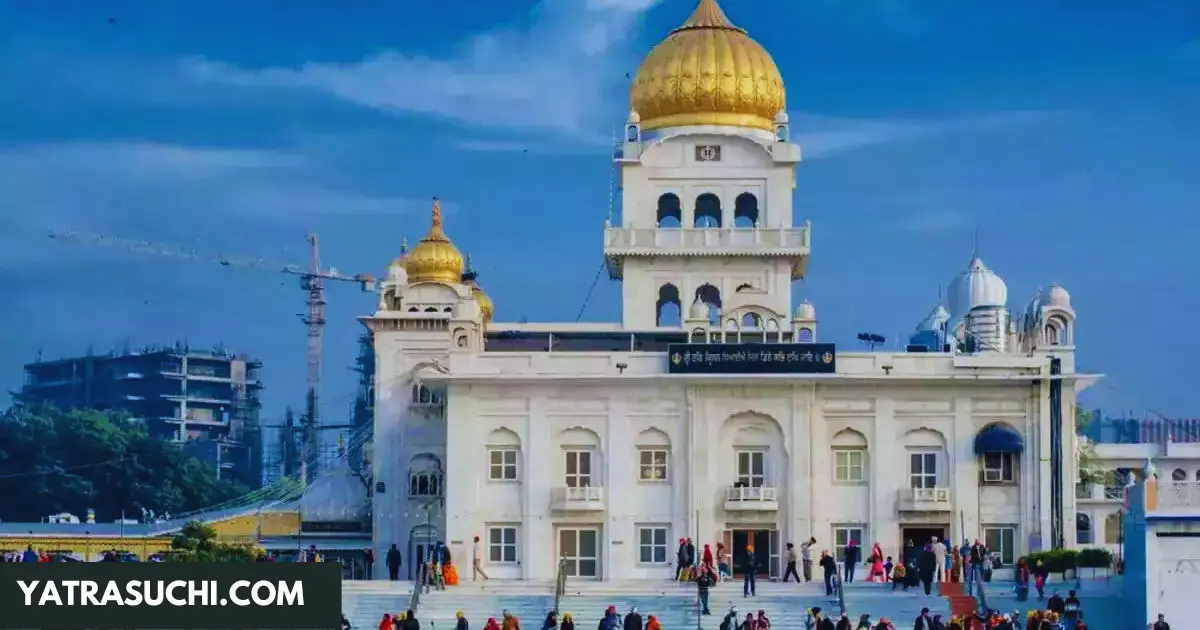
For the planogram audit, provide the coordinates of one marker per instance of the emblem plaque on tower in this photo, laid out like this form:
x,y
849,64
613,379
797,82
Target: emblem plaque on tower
x,y
708,153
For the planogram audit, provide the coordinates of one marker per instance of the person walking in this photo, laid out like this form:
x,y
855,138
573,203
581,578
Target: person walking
x,y
791,563
393,563
750,572
477,561
704,582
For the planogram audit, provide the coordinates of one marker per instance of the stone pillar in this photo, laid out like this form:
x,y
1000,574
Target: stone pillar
x,y
884,525
539,542
964,474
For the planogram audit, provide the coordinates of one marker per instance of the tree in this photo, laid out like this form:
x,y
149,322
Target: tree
x,y
1091,471
54,461
198,542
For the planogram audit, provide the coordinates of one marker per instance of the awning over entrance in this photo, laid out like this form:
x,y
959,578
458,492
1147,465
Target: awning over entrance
x,y
998,438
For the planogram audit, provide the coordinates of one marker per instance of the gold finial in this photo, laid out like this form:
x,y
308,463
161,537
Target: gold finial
x,y
436,233
708,14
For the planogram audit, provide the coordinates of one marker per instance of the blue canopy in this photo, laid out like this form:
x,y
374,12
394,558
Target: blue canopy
x,y
998,438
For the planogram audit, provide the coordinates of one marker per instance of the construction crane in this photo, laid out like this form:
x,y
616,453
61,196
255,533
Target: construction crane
x,y
312,281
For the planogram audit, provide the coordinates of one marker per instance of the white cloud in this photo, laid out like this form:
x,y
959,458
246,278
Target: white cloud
x,y
559,76
822,136
139,186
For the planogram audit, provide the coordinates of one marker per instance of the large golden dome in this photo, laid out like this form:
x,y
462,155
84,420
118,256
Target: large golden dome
x,y
708,72
435,258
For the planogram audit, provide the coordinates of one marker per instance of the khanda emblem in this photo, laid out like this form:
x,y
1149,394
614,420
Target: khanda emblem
x,y
676,358
827,358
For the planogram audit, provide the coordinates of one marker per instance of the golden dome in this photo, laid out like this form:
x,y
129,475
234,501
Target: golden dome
x,y
708,72
435,258
485,304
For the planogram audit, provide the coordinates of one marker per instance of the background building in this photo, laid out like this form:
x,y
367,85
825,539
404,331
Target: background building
x,y
208,400
1120,447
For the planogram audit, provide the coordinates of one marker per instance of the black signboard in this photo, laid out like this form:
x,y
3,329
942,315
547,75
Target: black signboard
x,y
751,358
331,527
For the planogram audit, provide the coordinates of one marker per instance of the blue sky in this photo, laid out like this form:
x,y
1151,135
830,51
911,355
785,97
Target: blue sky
x,y
1064,132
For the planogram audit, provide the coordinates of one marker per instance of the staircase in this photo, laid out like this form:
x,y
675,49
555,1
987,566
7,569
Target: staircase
x,y
961,604
675,604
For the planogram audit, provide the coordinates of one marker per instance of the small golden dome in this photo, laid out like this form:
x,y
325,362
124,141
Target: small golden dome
x,y
471,279
435,258
485,304
708,72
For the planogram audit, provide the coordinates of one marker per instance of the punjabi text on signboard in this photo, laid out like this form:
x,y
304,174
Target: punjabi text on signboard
x,y
752,358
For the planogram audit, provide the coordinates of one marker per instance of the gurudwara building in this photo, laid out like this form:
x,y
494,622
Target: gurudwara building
x,y
713,410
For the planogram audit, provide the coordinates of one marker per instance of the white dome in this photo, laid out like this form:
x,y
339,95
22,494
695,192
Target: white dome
x,y
634,118
977,287
806,311
698,310
1057,296
781,118
397,274
935,320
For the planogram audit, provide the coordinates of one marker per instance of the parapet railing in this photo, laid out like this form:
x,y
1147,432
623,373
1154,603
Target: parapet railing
x,y
418,586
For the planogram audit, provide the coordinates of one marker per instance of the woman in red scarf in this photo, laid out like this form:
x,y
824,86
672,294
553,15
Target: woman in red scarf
x,y
386,622
877,573
707,559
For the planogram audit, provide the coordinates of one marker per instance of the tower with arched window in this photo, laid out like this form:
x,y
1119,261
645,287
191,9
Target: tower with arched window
x,y
707,175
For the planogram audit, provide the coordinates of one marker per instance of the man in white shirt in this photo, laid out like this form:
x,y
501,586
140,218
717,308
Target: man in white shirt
x,y
939,555
476,561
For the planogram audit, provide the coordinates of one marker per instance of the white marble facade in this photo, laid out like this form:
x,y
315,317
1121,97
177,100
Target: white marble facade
x,y
572,440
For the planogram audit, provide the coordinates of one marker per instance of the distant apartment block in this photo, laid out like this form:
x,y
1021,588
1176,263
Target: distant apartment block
x,y
207,400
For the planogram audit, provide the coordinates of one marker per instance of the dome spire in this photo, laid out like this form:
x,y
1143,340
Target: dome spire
x,y
435,258
436,233
708,14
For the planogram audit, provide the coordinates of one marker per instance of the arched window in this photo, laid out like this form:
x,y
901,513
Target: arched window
x,y
425,484
1083,529
710,296
1112,529
668,311
670,211
745,211
707,213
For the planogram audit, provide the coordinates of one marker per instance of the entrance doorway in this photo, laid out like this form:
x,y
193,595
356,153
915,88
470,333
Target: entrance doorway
x,y
761,540
579,547
921,536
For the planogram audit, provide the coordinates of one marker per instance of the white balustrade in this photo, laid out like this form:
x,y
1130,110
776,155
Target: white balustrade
x,y
585,498
925,499
757,499
789,240
1179,496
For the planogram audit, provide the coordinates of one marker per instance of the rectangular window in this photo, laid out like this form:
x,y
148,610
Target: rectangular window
x,y
751,469
843,535
999,468
922,470
502,544
653,465
1001,539
849,466
503,464
652,544
579,469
